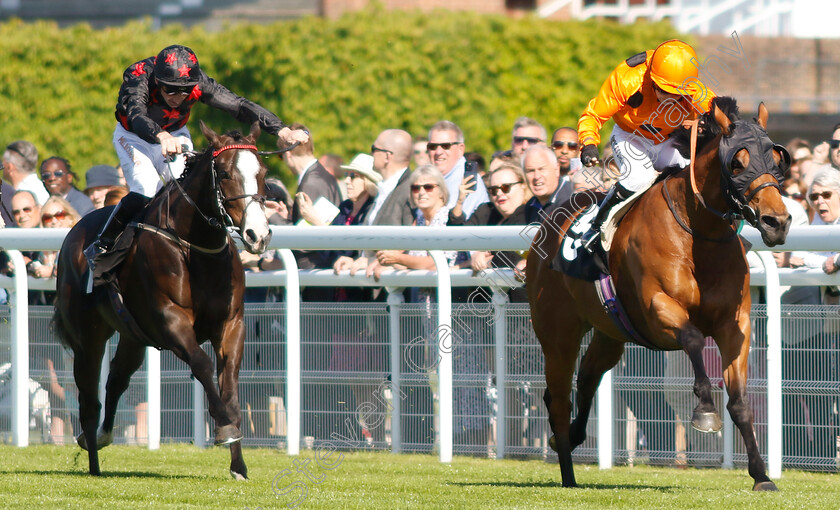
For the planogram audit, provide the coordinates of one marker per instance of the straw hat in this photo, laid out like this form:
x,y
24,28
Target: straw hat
x,y
363,164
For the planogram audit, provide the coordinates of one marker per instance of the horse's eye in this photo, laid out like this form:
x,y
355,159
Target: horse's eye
x,y
224,175
737,165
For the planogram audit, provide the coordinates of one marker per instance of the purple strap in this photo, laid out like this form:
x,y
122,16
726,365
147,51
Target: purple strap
x,y
616,312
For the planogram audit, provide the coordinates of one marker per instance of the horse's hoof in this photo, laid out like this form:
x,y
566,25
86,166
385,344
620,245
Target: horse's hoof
x,y
765,486
228,434
706,422
82,442
104,439
238,476
552,443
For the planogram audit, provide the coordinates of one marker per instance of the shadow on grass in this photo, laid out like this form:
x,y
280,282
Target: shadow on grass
x,y
105,474
559,485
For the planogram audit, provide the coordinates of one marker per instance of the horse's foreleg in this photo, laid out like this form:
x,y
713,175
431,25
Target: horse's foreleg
x,y
601,355
705,417
86,366
127,360
228,359
734,350
673,318
202,369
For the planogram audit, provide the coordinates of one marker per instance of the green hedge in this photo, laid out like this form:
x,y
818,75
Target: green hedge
x,y
345,79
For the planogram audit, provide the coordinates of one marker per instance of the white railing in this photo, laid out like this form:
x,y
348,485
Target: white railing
x,y
434,239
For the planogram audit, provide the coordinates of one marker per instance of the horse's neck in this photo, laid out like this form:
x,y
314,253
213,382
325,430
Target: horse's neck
x,y
706,180
184,216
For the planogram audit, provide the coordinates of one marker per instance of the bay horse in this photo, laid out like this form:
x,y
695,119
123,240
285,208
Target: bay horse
x,y
181,283
680,272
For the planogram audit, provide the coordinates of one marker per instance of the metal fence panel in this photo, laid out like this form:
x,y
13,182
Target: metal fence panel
x,y
347,396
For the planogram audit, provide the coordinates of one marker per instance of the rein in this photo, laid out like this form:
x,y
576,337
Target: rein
x,y
695,124
226,221
695,127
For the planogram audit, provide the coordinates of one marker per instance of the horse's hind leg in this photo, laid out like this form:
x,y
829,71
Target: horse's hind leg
x,y
86,367
602,354
561,354
128,358
734,348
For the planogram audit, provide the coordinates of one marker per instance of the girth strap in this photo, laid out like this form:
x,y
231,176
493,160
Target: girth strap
x,y
606,294
177,240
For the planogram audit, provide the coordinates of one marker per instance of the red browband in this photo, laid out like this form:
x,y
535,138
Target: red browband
x,y
228,147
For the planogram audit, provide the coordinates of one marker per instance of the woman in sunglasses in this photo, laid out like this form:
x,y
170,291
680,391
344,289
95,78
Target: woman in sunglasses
x,y
648,96
56,213
824,198
428,196
508,194
154,103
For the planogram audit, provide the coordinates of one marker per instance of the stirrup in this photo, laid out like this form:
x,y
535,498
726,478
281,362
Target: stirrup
x,y
590,238
92,254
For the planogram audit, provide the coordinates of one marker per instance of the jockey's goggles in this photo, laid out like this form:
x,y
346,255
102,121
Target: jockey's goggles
x,y
174,90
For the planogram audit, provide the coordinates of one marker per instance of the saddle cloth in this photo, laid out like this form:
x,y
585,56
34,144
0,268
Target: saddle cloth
x,y
572,259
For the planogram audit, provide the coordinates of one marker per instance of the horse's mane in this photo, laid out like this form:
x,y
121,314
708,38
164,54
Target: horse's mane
x,y
192,162
682,135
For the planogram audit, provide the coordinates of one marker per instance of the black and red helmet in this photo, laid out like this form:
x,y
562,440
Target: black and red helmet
x,y
177,65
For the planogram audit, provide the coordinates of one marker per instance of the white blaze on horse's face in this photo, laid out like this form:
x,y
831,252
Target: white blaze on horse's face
x,y
254,226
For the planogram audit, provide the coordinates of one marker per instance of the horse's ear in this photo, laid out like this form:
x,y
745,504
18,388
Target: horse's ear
x,y
255,131
762,115
722,120
211,135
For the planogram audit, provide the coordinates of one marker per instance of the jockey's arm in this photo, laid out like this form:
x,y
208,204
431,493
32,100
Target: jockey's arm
x,y
610,99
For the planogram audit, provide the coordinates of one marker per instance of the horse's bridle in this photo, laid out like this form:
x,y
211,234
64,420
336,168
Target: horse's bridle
x,y
226,221
740,137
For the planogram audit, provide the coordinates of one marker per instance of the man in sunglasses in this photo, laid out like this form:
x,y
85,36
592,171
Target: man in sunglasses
x,y
648,96
154,103
834,147
58,178
564,141
446,150
526,132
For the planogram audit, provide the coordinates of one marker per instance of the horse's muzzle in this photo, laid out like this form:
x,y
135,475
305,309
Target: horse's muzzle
x,y
255,243
774,229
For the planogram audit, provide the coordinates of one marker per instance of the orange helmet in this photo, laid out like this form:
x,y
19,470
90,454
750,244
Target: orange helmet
x,y
672,64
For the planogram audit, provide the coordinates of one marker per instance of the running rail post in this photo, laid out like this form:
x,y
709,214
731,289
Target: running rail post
x,y
153,396
774,365
20,352
395,302
445,342
198,413
605,421
293,373
728,435
500,300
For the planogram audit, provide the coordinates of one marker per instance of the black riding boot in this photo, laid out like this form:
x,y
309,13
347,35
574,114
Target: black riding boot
x,y
125,210
615,196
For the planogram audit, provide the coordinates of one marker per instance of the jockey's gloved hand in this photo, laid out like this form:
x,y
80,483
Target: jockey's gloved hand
x,y
589,155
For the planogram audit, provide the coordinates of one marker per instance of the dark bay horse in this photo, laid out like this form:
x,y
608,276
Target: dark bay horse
x,y
679,271
182,283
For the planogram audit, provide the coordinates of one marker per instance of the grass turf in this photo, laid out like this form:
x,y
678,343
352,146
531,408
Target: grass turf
x,y
181,476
